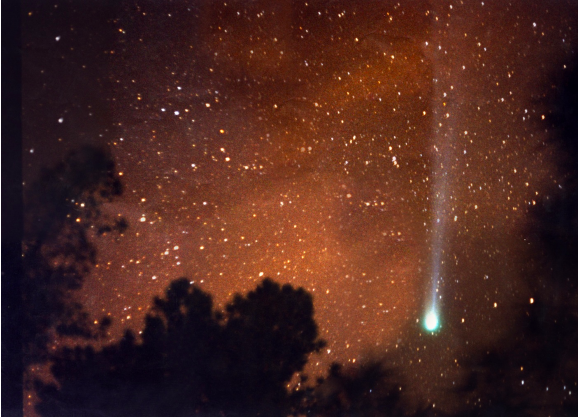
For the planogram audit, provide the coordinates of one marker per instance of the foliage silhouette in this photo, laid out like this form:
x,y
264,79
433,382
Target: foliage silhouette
x,y
271,331
192,360
365,389
63,210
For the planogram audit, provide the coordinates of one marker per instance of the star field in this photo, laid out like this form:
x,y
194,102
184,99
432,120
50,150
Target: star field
x,y
356,149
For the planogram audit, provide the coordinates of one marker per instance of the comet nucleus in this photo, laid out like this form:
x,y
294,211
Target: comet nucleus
x,y
431,321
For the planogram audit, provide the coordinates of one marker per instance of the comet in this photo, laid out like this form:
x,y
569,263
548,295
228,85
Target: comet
x,y
444,108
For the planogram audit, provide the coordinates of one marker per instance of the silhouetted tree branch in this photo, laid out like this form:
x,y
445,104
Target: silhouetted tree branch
x,y
364,389
63,210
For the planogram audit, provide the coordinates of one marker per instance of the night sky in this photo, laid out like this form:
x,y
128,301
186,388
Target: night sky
x,y
385,156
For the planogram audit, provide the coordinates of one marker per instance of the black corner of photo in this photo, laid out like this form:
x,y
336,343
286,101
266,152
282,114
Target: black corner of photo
x,y
12,388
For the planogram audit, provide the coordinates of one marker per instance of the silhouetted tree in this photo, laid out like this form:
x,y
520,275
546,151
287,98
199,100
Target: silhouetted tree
x,y
62,213
270,334
180,348
191,359
364,389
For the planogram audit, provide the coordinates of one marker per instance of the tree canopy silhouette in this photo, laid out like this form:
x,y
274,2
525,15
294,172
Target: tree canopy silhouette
x,y
367,388
192,359
63,210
